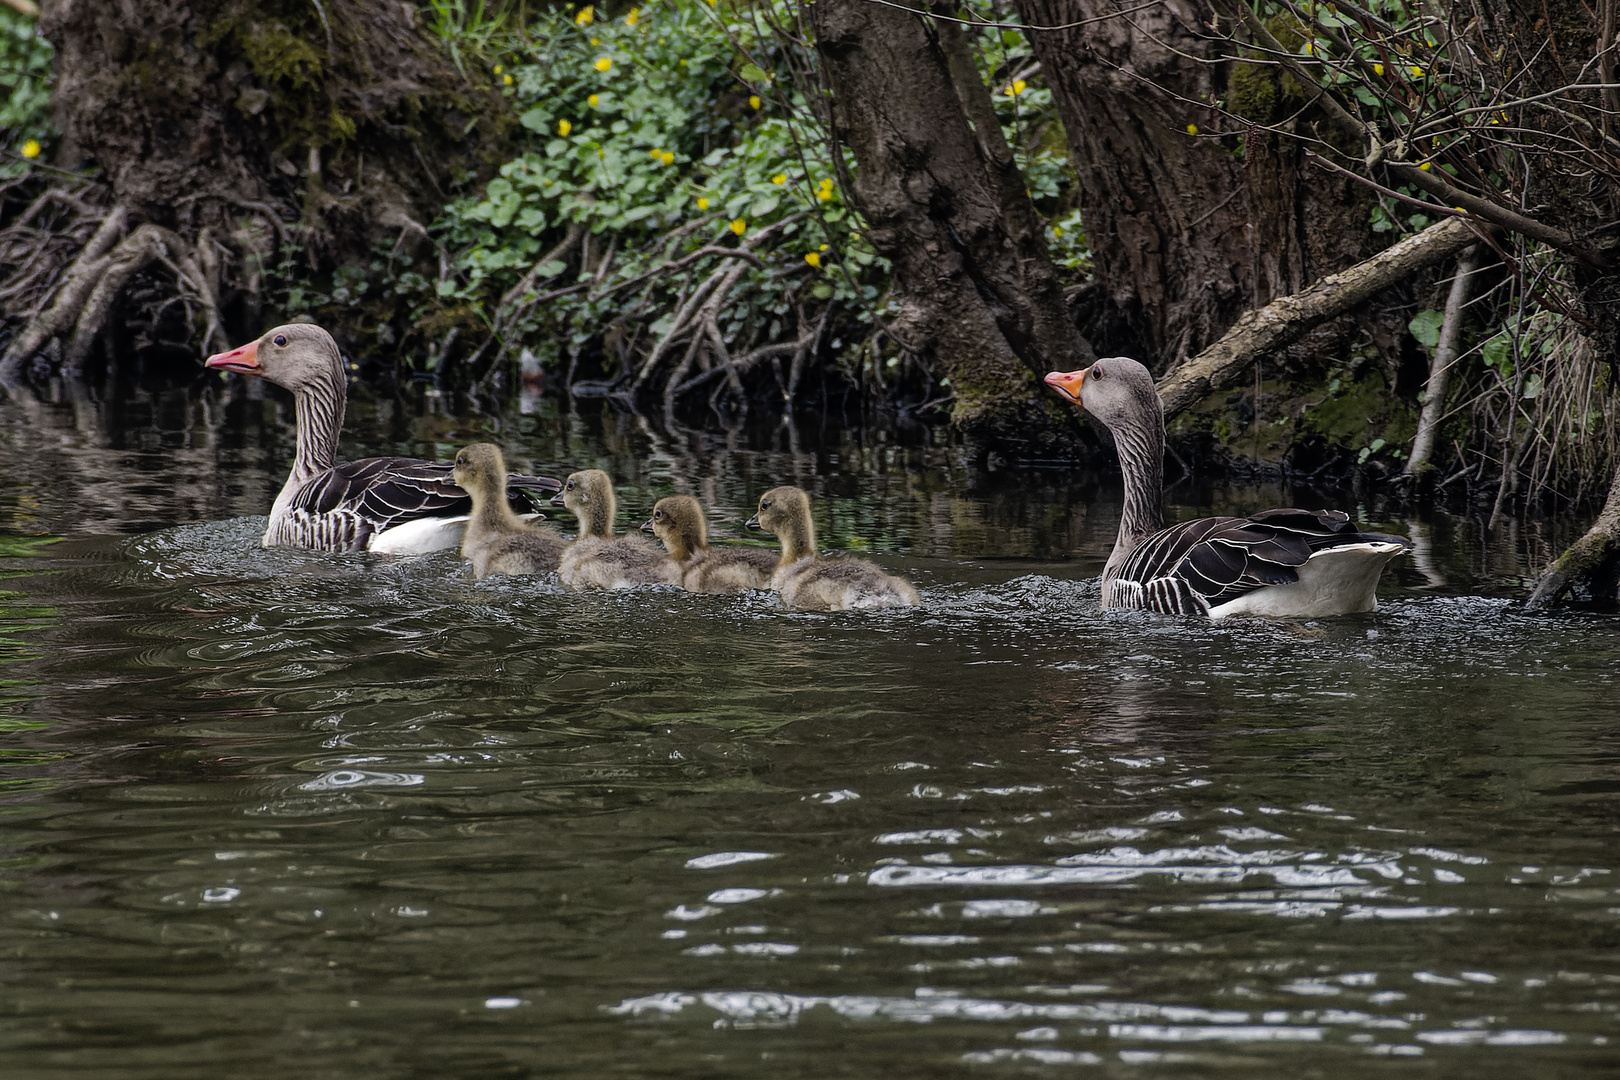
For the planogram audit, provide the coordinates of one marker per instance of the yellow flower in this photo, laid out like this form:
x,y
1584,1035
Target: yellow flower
x,y
30,149
667,158
1417,72
1307,48
739,226
827,182
591,101
753,101
1057,230
823,194
779,178
1016,87
1378,69
596,41
633,18
499,69
703,202
655,153
564,127
1192,129
1425,166
507,79
586,14
823,247
604,63
812,258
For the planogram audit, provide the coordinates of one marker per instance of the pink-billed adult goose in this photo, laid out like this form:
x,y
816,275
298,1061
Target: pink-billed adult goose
x,y
1281,563
394,505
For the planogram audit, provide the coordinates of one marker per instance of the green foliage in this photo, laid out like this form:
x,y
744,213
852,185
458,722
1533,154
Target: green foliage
x,y
675,128
1425,326
25,95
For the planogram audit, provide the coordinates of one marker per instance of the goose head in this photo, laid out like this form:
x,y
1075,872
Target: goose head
x,y
679,522
298,356
1116,390
589,495
480,470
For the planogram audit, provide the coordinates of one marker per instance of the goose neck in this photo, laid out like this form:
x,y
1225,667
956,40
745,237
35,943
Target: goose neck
x,y
319,410
1141,460
597,520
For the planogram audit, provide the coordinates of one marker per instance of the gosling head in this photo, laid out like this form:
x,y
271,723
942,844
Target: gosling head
x,y
785,511
298,356
1116,390
680,523
589,494
480,469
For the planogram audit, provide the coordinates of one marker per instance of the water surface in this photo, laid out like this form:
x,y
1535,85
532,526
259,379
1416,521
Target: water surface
x,y
274,814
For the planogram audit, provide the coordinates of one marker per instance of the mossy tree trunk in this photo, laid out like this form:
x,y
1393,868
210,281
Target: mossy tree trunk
x,y
233,128
980,298
1187,230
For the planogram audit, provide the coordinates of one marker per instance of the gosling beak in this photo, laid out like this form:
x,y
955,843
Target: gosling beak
x,y
646,526
1067,383
244,359
557,500
753,523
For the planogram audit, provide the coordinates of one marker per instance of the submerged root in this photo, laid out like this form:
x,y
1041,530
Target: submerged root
x,y
87,292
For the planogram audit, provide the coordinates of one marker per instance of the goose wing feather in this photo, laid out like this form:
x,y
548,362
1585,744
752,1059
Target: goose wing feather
x,y
1196,565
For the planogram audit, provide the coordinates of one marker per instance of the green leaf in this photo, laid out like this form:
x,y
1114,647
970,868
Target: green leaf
x,y
750,73
1532,386
1498,353
1425,326
551,269
536,119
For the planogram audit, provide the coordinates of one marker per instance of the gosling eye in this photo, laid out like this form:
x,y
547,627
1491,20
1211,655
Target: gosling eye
x,y
280,340
570,486
765,505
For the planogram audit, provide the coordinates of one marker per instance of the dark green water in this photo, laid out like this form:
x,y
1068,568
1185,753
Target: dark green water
x,y
270,814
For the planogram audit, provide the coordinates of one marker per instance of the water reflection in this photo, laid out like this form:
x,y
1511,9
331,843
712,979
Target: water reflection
x,y
369,816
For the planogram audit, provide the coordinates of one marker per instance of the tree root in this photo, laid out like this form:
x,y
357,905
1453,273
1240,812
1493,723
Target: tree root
x,y
1593,560
88,290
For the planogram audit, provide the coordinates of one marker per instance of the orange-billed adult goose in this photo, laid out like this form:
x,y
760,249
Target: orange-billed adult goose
x,y
497,540
1281,563
680,523
395,505
808,582
598,560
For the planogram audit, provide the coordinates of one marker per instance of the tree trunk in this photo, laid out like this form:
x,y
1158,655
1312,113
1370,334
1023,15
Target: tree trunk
x,y
937,185
1187,229
1418,465
1593,560
237,124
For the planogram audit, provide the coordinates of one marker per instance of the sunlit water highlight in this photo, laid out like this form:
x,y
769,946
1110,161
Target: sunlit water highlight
x,y
274,814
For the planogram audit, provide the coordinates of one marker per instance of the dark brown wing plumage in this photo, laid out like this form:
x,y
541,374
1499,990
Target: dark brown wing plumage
x,y
1196,565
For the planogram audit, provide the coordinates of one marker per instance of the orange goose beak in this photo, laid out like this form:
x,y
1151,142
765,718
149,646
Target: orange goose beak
x,y
244,359
1066,383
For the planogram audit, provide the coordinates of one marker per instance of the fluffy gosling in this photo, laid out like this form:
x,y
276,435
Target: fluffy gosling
x,y
597,560
680,523
497,540
808,582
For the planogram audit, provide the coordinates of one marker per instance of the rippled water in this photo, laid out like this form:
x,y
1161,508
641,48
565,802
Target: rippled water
x,y
271,814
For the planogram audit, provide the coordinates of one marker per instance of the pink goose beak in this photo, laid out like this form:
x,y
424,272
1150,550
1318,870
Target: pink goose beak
x,y
1066,383
244,359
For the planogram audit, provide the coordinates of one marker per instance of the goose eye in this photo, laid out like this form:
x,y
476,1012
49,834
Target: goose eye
x,y
1096,371
280,340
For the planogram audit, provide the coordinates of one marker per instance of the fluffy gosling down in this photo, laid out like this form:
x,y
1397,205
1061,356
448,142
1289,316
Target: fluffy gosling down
x,y
680,523
810,583
597,560
497,540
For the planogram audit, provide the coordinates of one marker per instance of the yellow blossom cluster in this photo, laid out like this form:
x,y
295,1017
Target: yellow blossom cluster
x,y
739,226
603,64
825,190
564,127
585,16
665,156
30,149
633,18
1016,87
